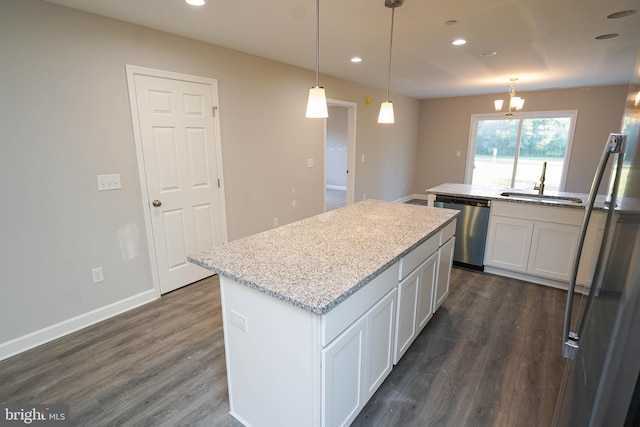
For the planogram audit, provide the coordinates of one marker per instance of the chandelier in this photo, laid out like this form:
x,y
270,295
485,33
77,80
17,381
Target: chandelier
x,y
515,102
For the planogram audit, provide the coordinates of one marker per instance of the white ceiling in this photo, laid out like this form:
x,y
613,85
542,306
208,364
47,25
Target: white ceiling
x,y
545,43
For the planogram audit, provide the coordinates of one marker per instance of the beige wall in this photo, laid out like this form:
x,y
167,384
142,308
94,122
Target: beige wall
x,y
64,118
445,123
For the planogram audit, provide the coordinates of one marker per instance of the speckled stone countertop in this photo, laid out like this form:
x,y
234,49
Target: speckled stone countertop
x,y
494,193
317,262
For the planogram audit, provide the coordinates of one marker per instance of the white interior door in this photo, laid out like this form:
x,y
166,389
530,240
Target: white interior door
x,y
181,171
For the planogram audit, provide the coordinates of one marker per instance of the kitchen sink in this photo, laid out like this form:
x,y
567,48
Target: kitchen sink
x,y
541,197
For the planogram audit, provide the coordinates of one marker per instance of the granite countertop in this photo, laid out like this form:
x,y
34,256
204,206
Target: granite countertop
x,y
317,262
494,193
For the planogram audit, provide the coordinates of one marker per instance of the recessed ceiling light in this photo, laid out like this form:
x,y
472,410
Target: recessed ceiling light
x,y
622,14
459,42
488,53
607,36
195,2
356,59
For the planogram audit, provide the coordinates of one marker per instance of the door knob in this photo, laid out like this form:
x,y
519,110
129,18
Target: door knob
x,y
157,203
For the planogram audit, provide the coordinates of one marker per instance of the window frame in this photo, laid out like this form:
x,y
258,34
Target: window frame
x,y
521,116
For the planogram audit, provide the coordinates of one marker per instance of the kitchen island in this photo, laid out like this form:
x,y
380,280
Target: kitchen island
x,y
317,312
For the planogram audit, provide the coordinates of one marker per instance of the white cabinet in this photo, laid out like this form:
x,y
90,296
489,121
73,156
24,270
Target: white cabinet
x,y
343,376
380,339
422,291
553,248
406,316
540,242
508,243
445,260
357,362
425,305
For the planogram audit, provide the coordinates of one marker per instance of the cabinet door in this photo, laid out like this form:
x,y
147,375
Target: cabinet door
x,y
445,260
406,314
553,248
342,376
426,285
508,243
380,333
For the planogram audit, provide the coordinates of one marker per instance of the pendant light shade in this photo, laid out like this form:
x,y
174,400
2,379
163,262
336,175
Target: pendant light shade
x,y
386,108
386,113
317,102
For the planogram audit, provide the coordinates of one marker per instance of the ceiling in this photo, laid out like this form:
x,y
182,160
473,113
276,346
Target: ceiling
x,y
546,44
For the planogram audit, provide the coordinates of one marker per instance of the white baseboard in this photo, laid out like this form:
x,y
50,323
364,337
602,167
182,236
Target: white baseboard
x,y
411,197
336,187
50,333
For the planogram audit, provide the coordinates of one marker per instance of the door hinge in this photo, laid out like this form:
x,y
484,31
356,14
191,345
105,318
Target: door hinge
x,y
218,182
213,110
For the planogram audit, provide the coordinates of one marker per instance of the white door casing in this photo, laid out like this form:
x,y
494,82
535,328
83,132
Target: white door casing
x,y
179,159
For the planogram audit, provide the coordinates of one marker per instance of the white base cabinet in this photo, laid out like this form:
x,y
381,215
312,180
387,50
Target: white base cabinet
x,y
445,260
540,241
422,291
508,243
357,362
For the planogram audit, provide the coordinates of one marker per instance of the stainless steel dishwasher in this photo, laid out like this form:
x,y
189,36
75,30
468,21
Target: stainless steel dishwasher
x,y
471,228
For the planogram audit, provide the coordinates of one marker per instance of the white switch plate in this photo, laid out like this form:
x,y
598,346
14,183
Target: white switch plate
x,y
109,182
97,275
309,163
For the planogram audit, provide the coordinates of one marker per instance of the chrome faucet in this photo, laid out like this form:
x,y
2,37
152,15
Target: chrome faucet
x,y
540,187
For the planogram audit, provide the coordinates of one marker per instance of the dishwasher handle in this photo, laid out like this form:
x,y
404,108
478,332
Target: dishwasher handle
x,y
461,200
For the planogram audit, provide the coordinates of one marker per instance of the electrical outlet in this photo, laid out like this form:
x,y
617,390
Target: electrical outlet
x,y
363,157
97,275
239,321
275,222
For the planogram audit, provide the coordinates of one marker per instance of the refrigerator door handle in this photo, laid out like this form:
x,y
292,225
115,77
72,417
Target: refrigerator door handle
x,y
570,340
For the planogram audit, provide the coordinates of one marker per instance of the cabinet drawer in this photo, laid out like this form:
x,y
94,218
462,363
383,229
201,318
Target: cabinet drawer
x,y
413,259
448,231
349,310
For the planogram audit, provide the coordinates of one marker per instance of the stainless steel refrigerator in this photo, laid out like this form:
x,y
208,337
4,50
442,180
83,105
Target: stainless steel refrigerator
x,y
601,383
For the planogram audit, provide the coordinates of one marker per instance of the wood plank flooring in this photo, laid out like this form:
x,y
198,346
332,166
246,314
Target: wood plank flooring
x,y
489,357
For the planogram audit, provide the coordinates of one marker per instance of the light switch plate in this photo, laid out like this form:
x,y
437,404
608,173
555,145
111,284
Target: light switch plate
x,y
109,182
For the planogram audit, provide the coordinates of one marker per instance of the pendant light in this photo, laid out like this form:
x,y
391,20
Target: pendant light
x,y
317,103
386,108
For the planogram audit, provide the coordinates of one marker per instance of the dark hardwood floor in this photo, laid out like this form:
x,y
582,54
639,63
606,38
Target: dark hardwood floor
x,y
489,357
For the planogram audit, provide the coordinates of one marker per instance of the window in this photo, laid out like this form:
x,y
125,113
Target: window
x,y
510,151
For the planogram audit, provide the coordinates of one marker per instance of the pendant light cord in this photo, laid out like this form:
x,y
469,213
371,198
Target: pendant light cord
x,y
393,11
317,43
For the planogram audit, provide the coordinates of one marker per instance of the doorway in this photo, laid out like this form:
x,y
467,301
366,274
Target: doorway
x,y
339,154
177,138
